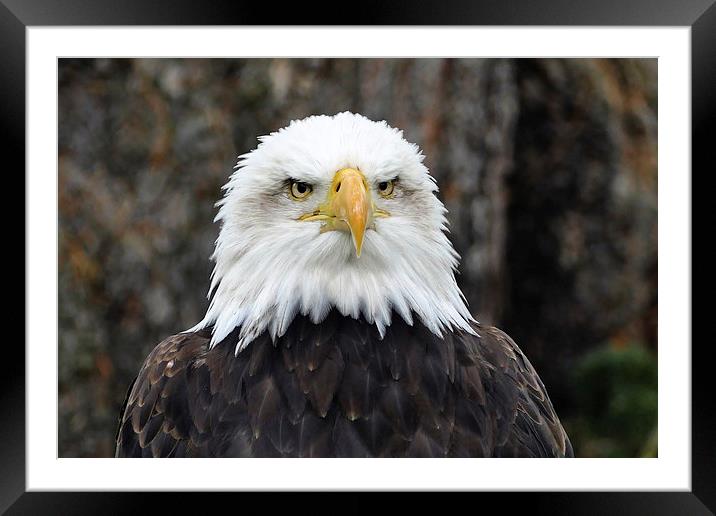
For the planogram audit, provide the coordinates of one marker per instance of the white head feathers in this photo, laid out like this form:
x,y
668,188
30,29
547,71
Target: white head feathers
x,y
271,266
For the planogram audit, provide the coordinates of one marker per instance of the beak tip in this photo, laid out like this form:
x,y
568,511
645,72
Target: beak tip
x,y
358,247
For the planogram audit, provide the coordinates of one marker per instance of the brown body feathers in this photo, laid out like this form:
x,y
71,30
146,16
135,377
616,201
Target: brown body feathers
x,y
336,389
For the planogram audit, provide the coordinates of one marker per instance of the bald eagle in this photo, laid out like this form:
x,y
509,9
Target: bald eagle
x,y
336,327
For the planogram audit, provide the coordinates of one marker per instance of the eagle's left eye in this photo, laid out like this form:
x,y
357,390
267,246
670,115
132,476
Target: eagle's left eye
x,y
299,190
385,188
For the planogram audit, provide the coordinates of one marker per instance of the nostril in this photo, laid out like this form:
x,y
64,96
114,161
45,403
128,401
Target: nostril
x,y
338,187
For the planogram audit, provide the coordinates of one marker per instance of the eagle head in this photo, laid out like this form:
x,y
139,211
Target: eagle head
x,y
332,212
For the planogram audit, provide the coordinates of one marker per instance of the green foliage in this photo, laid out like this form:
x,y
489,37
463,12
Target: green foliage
x,y
616,391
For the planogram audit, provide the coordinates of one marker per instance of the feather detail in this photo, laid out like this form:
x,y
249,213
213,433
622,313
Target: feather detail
x,y
339,389
263,404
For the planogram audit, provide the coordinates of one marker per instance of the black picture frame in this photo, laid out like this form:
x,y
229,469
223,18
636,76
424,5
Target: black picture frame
x,y
17,15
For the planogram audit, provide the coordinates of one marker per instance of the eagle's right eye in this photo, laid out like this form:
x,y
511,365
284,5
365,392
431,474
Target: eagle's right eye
x,y
299,190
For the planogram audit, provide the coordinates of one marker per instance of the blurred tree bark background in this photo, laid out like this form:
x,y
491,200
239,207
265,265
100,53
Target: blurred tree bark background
x,y
547,167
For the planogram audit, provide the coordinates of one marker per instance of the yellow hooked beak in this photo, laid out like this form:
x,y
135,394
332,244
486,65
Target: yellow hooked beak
x,y
348,207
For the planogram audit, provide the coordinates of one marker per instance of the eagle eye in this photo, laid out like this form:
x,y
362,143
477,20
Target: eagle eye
x,y
385,188
299,190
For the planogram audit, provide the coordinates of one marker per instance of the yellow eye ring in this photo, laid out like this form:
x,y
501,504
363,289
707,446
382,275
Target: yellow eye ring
x,y
386,188
299,190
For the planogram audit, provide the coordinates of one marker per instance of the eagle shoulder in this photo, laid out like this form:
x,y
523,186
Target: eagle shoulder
x,y
169,405
506,406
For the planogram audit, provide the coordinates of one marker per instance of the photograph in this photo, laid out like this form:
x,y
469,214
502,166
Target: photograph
x,y
357,257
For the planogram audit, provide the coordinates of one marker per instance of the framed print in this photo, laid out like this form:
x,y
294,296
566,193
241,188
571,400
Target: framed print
x,y
433,249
